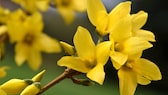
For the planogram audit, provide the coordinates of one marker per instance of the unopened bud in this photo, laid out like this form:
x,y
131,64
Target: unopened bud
x,y
32,89
39,76
14,86
68,48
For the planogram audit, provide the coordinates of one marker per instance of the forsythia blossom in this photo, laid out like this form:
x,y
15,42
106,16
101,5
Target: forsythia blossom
x,y
128,42
90,58
33,5
30,40
67,8
103,21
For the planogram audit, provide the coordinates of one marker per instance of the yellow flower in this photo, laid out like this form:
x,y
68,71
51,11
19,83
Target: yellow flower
x,y
2,71
103,21
30,40
67,8
137,71
33,5
32,89
124,44
15,86
90,59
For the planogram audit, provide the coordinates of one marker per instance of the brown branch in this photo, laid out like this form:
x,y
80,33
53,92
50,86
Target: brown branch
x,y
66,74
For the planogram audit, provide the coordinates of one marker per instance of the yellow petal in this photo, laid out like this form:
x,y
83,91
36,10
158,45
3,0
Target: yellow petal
x,y
47,44
34,59
145,34
101,25
142,80
127,81
84,44
148,69
120,11
75,63
22,53
80,5
97,74
42,5
16,31
138,20
94,8
118,59
135,56
121,30
67,14
103,52
34,23
134,45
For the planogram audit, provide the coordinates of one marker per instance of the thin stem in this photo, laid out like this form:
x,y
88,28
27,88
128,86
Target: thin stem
x,y
66,74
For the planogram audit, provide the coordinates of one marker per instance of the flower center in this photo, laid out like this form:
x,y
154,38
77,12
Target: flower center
x,y
90,64
28,39
66,2
118,46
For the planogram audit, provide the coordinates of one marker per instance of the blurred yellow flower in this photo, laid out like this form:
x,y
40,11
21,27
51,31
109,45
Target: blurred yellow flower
x,y
3,71
30,40
90,59
3,15
103,21
137,71
67,8
33,5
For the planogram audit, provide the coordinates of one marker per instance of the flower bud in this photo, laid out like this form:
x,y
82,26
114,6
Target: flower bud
x,y
68,48
15,86
32,89
39,76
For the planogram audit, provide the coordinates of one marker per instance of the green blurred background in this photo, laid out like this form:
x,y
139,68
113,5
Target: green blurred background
x,y
55,27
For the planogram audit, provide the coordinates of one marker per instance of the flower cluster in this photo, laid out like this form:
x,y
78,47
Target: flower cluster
x,y
127,41
124,46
